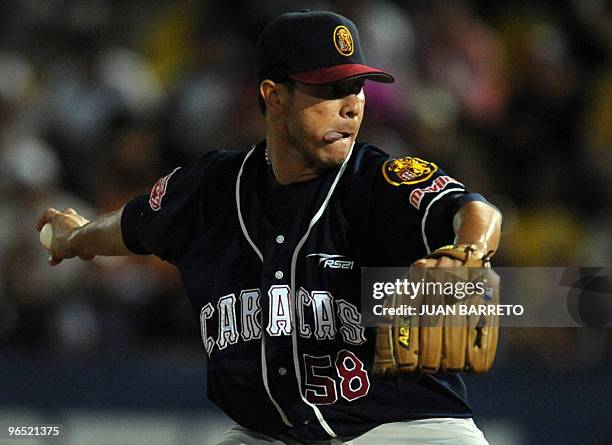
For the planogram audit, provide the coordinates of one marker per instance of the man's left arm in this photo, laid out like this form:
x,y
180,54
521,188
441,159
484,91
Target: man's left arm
x,y
475,222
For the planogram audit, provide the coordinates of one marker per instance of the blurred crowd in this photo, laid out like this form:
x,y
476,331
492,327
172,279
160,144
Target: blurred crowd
x,y
98,98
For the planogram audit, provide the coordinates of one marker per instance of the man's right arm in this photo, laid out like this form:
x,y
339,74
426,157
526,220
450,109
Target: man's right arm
x,y
74,235
163,222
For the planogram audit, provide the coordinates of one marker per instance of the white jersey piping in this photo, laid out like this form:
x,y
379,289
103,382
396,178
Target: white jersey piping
x,y
296,359
296,362
264,366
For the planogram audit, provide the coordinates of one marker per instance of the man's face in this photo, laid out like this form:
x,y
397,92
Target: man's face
x,y
322,121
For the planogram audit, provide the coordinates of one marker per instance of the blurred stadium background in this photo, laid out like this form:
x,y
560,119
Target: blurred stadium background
x,y
98,98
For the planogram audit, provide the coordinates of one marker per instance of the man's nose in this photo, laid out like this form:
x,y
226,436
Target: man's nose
x,y
351,106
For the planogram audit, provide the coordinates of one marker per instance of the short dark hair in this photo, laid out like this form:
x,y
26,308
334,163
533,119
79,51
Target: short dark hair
x,y
289,83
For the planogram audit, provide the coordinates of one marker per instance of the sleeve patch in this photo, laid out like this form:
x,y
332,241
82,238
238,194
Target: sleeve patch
x,y
437,185
408,171
159,190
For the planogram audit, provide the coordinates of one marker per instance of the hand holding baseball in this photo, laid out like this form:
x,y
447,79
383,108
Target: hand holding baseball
x,y
56,230
46,236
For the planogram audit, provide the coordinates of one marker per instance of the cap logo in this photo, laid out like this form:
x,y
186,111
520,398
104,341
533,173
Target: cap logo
x,y
343,40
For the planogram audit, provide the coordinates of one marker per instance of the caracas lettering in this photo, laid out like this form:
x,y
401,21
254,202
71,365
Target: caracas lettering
x,y
240,317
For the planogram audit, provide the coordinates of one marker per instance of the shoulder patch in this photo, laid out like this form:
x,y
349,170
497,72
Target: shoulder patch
x,y
408,171
159,190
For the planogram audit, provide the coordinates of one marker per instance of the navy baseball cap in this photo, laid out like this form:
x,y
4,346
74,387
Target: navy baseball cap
x,y
313,47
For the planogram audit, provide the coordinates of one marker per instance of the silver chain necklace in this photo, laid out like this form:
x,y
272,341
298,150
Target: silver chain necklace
x,y
267,157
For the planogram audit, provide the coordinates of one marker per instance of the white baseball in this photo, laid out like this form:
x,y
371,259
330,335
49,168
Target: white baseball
x,y
46,236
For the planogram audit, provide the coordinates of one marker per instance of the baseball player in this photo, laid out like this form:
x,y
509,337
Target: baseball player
x,y
269,242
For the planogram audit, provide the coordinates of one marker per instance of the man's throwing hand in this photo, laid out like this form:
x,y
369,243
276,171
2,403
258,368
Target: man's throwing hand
x,y
62,227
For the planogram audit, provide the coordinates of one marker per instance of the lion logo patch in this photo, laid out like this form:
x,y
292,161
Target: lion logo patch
x,y
408,171
343,40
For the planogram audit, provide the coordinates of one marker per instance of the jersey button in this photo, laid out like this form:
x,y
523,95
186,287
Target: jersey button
x,y
280,239
282,371
278,274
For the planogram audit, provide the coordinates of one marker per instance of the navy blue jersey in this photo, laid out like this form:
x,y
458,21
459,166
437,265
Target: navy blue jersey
x,y
278,298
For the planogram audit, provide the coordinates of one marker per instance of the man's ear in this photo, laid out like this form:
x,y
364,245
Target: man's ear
x,y
272,95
